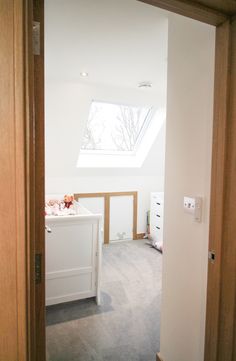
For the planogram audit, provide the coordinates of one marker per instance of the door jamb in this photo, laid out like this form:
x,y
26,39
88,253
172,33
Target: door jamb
x,y
220,123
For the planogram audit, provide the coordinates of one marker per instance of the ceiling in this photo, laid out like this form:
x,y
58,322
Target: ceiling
x,y
119,43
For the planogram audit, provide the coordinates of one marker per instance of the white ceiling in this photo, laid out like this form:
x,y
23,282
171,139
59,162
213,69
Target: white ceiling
x,y
118,42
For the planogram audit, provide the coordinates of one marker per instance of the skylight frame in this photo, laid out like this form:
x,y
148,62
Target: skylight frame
x,y
142,131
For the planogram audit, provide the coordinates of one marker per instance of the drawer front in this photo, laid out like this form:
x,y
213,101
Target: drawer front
x,y
156,234
156,216
156,225
157,207
157,200
157,222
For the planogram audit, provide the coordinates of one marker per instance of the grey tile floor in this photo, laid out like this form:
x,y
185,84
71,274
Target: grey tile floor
x,y
126,325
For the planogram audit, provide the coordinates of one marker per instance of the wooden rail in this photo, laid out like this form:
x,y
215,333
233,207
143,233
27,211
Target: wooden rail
x,y
107,196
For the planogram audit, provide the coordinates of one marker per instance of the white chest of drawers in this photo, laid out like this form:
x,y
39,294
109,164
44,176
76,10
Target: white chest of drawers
x,y
156,216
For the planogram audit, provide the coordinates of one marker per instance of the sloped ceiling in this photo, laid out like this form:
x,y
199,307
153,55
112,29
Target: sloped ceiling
x,y
119,43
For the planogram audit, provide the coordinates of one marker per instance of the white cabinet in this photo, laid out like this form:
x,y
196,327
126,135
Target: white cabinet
x,y
156,216
73,258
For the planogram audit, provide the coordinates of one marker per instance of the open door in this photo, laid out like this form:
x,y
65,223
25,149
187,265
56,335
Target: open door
x,y
36,170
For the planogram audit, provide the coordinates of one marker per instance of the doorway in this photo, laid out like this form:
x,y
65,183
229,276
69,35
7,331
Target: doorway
x,y
66,96
115,115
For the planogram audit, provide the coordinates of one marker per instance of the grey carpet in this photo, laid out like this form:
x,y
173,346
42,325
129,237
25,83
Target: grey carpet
x,y
126,325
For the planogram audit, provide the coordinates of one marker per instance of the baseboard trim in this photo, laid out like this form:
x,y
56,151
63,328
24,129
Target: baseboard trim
x,y
140,235
158,357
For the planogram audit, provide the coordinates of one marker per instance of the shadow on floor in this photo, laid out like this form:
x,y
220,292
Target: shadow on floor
x,y
76,310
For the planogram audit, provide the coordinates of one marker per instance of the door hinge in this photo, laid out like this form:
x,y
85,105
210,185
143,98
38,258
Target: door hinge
x,y
38,268
212,256
36,37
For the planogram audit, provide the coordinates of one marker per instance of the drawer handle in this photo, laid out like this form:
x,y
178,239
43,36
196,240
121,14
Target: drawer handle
x,y
158,227
158,203
158,215
48,229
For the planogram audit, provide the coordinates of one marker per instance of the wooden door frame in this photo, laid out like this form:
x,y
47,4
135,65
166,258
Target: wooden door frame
x,y
221,283
107,196
35,175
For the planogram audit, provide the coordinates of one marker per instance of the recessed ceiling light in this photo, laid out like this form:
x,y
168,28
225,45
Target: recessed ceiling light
x,y
145,84
84,74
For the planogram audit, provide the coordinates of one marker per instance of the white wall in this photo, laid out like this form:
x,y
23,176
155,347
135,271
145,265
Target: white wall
x,y
84,184
188,165
67,107
121,218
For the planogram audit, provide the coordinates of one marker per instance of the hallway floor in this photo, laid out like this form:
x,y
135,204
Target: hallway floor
x,y
126,325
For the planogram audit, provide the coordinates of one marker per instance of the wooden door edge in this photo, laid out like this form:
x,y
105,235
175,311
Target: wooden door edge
x,y
22,121
217,187
30,178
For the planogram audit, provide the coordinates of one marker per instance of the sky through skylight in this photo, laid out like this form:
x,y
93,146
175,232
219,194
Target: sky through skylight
x,y
114,127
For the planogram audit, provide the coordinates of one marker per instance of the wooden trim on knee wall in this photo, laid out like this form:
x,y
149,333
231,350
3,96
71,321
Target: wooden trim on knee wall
x,y
140,235
107,196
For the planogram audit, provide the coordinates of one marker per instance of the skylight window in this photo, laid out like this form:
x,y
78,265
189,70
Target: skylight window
x,y
114,128
118,136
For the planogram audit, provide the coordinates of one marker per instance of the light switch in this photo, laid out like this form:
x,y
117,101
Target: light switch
x,y
189,204
193,205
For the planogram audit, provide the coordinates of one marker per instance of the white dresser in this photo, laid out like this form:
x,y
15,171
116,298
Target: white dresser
x,y
156,217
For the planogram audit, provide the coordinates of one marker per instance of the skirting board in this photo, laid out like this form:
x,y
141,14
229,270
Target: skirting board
x,y
158,357
140,235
